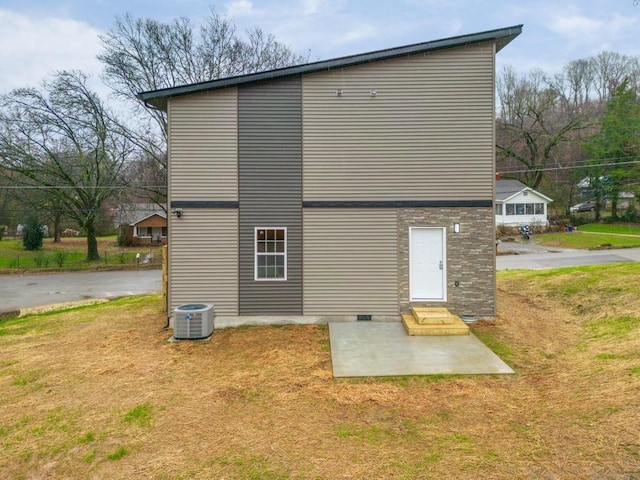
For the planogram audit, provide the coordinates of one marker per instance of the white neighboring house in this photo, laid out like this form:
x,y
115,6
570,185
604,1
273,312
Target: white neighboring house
x,y
516,204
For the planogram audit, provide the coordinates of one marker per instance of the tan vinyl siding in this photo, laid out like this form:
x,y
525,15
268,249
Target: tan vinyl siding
x,y
203,254
427,134
349,262
203,154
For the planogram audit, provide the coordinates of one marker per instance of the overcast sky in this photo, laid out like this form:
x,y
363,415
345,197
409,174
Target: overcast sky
x,y
38,37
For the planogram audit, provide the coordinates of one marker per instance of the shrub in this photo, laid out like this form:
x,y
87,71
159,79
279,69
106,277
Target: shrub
x,y
60,257
32,234
41,260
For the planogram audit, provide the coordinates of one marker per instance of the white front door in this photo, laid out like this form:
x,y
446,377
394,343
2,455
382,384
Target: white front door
x,y
427,269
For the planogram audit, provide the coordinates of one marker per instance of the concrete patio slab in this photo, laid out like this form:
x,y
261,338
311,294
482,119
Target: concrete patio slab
x,y
376,349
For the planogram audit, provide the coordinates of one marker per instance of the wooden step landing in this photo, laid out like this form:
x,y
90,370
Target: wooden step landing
x,y
433,321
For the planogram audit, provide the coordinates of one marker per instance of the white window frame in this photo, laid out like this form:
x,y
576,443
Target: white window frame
x,y
256,254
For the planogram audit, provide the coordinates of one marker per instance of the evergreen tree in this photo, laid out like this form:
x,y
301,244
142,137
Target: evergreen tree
x,y
616,147
32,234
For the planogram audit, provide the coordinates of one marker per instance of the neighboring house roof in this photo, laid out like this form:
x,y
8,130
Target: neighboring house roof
x,y
159,214
502,36
127,214
585,183
507,189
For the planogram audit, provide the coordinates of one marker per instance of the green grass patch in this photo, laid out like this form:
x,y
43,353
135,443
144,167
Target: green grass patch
x,y
26,378
140,415
635,371
586,241
70,255
86,438
49,321
420,468
457,441
497,346
118,454
367,433
252,467
88,458
618,228
606,356
586,288
615,327
375,434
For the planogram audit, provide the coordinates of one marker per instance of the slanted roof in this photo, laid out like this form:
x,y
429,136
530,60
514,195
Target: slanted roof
x,y
128,213
507,189
502,36
159,214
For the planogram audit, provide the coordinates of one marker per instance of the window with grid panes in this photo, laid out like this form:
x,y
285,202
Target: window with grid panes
x,y
270,253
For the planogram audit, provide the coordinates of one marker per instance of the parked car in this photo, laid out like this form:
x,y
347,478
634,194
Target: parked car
x,y
583,207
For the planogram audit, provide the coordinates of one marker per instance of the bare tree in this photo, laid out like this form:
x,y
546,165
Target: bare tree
x,y
575,86
145,54
531,126
65,141
610,70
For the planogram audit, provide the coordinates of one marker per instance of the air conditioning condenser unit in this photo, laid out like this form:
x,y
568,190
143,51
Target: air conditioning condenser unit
x,y
193,321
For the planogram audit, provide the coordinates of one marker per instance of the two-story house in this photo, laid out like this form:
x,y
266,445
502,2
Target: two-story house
x,y
357,186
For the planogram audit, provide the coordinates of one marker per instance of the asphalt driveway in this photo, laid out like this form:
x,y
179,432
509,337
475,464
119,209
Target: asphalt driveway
x,y
33,290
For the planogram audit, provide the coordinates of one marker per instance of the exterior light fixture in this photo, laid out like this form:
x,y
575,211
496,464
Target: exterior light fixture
x,y
177,212
338,92
373,92
456,228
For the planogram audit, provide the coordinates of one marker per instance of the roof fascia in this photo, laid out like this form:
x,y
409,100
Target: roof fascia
x,y
158,99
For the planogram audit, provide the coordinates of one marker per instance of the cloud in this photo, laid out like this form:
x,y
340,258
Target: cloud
x,y
576,26
311,7
592,27
33,48
239,8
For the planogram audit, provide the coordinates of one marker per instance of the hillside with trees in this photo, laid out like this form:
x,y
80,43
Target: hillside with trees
x,y
69,158
552,131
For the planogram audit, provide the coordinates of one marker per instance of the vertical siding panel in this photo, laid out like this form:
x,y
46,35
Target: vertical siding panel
x,y
427,134
350,262
270,186
203,152
203,252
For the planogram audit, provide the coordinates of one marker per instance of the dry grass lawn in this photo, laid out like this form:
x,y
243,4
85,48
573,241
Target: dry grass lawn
x,y
97,392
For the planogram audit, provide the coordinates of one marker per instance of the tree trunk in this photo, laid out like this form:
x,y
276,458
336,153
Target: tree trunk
x,y
92,241
56,227
614,205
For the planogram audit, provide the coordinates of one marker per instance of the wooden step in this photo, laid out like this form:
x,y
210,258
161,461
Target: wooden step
x,y
435,321
433,316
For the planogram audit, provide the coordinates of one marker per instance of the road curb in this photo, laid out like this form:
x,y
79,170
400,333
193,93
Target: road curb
x,y
9,314
52,307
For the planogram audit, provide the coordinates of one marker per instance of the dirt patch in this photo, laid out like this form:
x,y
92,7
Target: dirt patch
x,y
99,393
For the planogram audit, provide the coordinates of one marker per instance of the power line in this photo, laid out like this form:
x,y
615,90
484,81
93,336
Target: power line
x,y
67,187
583,164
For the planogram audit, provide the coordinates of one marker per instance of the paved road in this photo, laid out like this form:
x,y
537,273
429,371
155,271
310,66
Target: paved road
x,y
32,290
535,257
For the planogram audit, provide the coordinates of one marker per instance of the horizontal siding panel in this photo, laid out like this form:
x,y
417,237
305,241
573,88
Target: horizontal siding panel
x,y
426,135
203,148
203,259
350,264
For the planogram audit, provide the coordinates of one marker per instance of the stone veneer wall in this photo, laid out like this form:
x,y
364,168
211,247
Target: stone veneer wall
x,y
470,258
